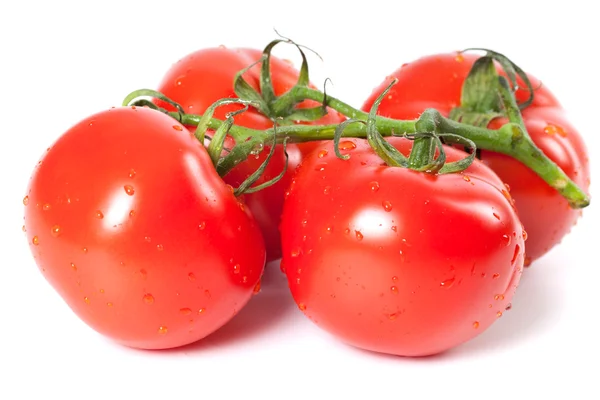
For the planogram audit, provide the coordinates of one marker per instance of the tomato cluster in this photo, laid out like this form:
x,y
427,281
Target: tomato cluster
x,y
128,219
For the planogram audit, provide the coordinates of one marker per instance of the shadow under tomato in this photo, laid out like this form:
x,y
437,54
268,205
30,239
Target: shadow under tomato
x,y
263,313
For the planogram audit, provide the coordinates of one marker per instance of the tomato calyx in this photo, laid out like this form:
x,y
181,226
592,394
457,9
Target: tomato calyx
x,y
282,108
427,139
480,101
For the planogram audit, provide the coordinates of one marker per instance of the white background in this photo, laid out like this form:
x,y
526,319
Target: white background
x,y
60,62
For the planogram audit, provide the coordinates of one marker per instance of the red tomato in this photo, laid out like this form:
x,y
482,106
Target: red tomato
x,y
128,220
205,76
436,82
398,261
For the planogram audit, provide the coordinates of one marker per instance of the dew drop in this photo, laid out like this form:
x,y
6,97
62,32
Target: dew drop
x,y
552,129
162,330
374,186
524,235
515,254
507,186
147,239
244,279
178,128
359,235
499,297
347,145
35,240
256,288
84,249
466,178
392,316
495,276
23,228
347,231
132,173
459,57
241,206
447,283
55,231
191,276
320,167
160,247
394,279
394,228
295,252
387,206
148,298
202,225
73,267
185,311
329,230
99,214
508,307
394,290
86,300
506,239
527,262
129,190
326,190
131,213
237,268
496,216
302,306
476,324
109,304
25,200
322,153
46,207
201,310
499,314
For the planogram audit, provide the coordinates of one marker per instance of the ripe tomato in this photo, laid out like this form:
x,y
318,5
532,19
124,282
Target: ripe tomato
x,y
436,81
128,220
398,261
205,76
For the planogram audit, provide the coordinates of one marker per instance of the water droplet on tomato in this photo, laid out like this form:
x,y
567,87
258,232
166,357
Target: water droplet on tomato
x,y
320,167
302,306
359,235
178,128
109,304
506,239
326,190
393,316
507,186
347,231
347,145
23,228
131,213
241,205
394,278
129,190
185,311
25,200
329,230
387,206
527,262
499,297
374,186
295,252
552,129
256,289
99,214
394,228
508,307
237,268
148,298
46,207
162,330
495,276
496,216
73,267
459,57
101,291
86,300
35,240
201,310
447,283
160,247
476,324
131,173
84,249
524,235
394,290
191,276
55,231
466,178
322,153
499,314
179,80
515,254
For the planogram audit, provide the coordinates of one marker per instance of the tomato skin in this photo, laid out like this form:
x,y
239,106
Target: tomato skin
x,y
436,82
396,261
205,76
129,222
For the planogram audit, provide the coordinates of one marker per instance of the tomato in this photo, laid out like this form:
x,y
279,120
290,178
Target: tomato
x,y
129,222
436,81
397,261
205,76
